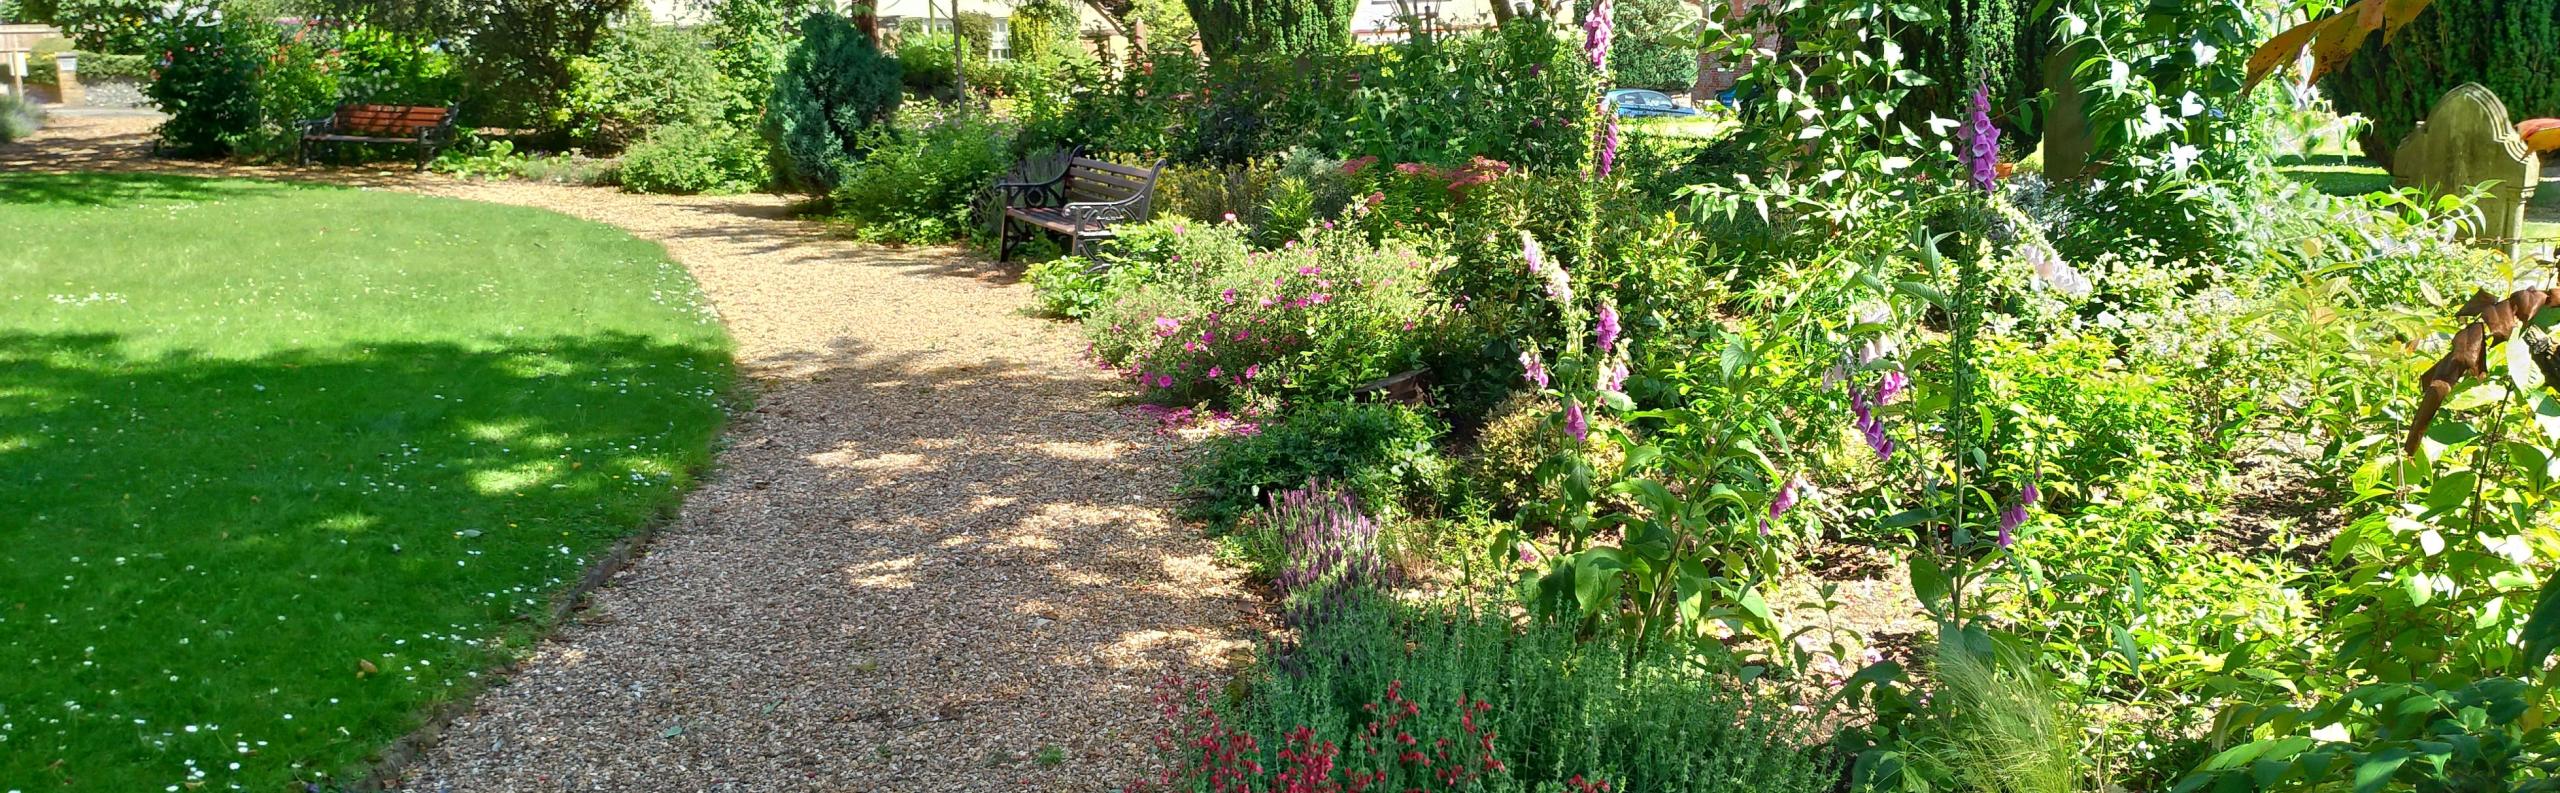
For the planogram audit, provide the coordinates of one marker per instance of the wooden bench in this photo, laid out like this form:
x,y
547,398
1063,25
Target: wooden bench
x,y
1081,203
424,127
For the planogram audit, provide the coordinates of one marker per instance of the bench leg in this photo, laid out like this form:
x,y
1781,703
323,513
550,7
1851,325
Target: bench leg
x,y
1004,237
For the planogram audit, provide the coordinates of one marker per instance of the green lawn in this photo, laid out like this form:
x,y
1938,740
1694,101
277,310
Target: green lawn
x,y
255,437
2336,174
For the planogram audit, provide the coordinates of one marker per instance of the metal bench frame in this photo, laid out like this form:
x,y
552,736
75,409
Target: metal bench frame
x,y
424,138
1082,202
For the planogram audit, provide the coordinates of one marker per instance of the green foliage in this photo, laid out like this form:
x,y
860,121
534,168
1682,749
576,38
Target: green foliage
x,y
1043,32
41,69
1502,708
1216,321
1654,44
921,179
94,67
1254,29
1520,95
1518,438
1275,198
376,65
298,81
749,40
834,85
515,56
19,118
2493,735
1382,453
924,63
472,158
116,26
1069,288
643,76
978,29
2511,47
2002,727
705,157
209,85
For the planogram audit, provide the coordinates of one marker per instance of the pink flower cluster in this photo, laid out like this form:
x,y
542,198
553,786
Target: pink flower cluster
x,y
1244,339
1172,420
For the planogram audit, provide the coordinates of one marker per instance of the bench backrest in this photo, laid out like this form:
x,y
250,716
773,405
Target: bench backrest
x,y
391,120
1090,180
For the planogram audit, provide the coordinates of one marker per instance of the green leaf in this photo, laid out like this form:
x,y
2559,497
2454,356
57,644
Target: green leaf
x,y
2521,369
2376,771
1638,457
1734,357
2419,590
1930,583
2542,630
2475,397
2247,753
1595,578
1758,609
1922,291
2132,652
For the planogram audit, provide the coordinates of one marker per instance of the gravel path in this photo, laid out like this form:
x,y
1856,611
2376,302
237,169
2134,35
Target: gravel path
x,y
932,558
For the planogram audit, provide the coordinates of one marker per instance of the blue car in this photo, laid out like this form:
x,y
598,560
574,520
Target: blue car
x,y
1640,103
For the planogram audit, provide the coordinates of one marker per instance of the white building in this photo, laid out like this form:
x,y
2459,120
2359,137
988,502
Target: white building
x,y
1382,21
904,15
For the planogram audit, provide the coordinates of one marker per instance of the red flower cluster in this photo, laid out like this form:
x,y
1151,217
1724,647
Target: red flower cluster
x,y
1386,756
1478,170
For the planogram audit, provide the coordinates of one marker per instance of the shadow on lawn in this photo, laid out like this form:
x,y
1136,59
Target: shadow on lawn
x,y
127,189
274,520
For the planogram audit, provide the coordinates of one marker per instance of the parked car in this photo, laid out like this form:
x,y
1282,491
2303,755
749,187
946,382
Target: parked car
x,y
1640,103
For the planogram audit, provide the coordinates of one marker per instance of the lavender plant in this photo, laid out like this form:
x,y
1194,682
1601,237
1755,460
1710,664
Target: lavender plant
x,y
1331,552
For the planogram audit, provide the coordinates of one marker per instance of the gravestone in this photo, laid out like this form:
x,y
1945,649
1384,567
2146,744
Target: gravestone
x,y
2468,141
2067,138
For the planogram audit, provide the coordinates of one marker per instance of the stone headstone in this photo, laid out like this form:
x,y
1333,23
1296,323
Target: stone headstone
x,y
2067,138
2466,142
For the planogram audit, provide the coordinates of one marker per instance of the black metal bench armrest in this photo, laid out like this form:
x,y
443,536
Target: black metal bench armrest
x,y
1048,193
314,125
1104,213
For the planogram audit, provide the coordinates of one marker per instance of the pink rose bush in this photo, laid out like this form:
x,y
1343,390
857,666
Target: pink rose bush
x,y
1213,321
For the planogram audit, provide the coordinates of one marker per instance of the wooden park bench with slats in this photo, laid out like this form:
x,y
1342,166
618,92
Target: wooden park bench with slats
x,y
424,127
1081,203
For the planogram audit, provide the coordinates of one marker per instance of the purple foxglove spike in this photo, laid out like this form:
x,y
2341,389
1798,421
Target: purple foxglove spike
x,y
1891,385
1608,146
1982,141
1785,499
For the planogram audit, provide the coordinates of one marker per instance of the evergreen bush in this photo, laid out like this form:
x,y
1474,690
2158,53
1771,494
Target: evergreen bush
x,y
2511,47
834,84
1231,29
